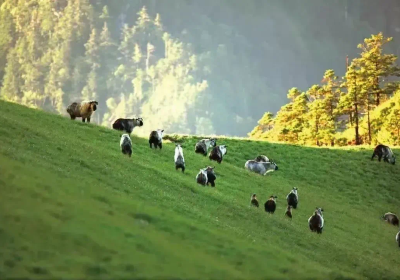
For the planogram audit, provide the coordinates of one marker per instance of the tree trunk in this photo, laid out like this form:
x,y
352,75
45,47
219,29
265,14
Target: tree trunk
x,y
351,118
377,86
377,98
356,121
369,126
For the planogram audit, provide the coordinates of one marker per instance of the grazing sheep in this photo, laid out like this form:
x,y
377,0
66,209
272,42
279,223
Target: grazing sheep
x,y
82,110
156,138
262,168
126,145
203,145
253,200
210,176
293,198
262,158
179,159
391,218
127,125
270,204
385,152
201,177
316,221
288,212
398,238
217,153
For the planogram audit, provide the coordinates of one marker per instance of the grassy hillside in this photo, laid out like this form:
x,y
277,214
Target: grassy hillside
x,y
72,206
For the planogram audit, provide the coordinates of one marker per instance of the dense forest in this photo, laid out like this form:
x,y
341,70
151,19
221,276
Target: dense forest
x,y
198,67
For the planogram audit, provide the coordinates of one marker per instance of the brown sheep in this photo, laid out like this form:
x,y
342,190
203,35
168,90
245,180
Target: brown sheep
x,y
253,200
82,110
270,204
289,211
316,221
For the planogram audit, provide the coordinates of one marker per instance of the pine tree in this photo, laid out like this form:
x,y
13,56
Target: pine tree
x,y
355,98
376,65
264,125
11,89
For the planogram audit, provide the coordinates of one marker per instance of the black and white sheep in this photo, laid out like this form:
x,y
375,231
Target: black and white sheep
x,y
316,221
217,153
178,158
398,238
253,200
203,145
293,198
82,110
127,125
385,152
262,158
270,204
156,138
391,218
201,177
262,168
126,144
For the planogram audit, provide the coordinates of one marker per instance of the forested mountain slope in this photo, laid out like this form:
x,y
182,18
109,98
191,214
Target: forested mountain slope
x,y
219,65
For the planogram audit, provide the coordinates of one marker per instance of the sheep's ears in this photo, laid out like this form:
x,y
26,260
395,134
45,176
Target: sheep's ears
x,y
162,130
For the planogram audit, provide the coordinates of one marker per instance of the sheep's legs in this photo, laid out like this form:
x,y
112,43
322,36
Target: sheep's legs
x,y
83,119
88,120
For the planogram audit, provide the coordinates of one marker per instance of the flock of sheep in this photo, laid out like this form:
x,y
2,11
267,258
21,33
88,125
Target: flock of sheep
x,y
261,164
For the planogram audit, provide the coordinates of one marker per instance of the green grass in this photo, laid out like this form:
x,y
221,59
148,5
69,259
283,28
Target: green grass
x,y
73,207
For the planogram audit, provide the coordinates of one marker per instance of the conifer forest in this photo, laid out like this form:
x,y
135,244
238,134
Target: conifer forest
x,y
273,70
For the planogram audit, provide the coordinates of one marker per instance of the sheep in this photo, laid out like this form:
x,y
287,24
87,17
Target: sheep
x,y
385,152
217,153
262,158
391,218
288,212
293,198
156,138
203,145
262,168
178,158
127,125
398,238
253,200
82,110
210,176
126,144
270,204
201,177
316,221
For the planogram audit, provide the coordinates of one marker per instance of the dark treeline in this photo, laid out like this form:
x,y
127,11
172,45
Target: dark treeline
x,y
198,67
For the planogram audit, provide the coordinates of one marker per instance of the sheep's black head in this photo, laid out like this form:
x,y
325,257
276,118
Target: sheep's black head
x,y
139,121
94,105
